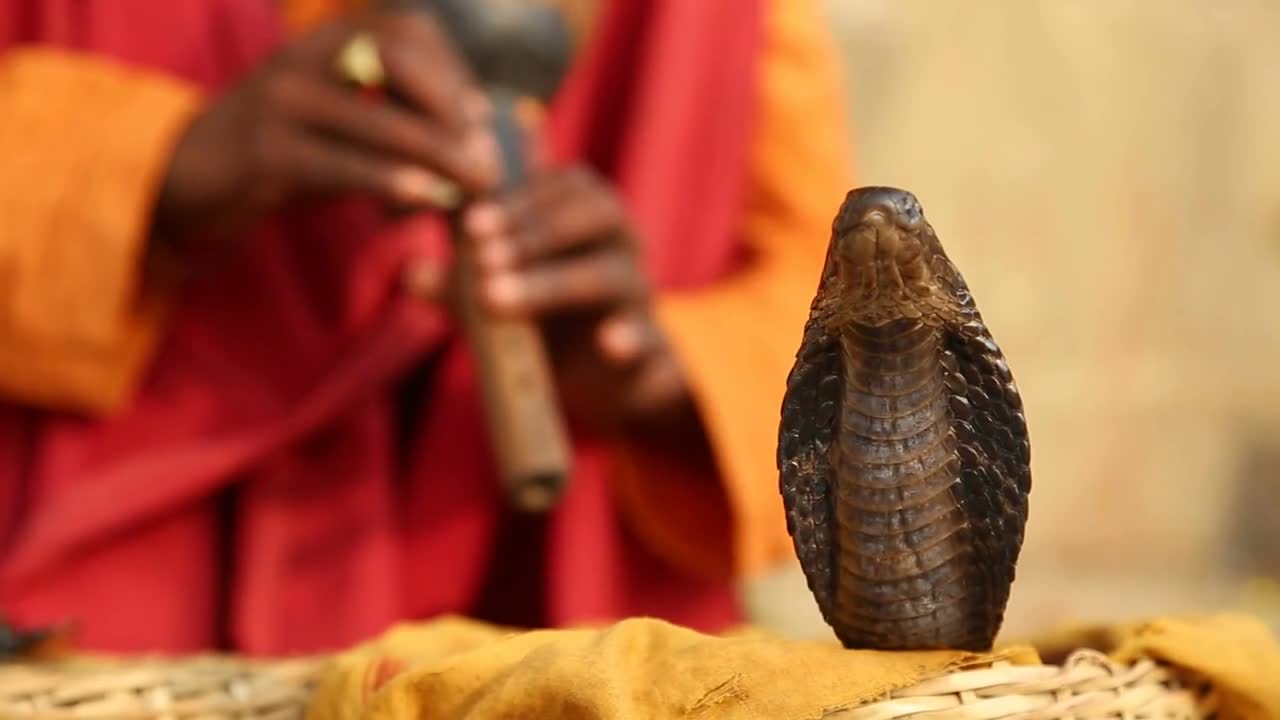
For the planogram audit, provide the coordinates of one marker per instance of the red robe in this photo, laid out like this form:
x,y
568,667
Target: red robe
x,y
265,489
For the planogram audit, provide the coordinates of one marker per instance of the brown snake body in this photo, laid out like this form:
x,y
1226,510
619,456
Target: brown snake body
x,y
903,452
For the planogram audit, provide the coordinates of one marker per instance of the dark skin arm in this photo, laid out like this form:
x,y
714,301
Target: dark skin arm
x,y
292,130
559,249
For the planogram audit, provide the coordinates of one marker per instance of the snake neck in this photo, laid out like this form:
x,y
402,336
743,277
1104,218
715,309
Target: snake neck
x,y
895,419
894,464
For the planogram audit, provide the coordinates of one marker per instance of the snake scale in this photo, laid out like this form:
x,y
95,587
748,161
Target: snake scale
x,y
903,451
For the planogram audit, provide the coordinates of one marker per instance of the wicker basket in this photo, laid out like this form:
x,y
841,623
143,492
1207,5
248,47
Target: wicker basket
x,y
1086,686
208,688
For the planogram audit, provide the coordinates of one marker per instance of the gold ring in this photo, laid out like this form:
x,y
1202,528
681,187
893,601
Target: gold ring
x,y
359,61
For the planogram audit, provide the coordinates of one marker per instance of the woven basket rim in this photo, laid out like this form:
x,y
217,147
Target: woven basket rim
x,y
1086,686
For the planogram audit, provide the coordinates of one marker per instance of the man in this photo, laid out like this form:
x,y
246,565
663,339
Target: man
x,y
239,414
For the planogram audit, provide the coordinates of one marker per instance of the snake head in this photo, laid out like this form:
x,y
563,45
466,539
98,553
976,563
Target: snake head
x,y
885,261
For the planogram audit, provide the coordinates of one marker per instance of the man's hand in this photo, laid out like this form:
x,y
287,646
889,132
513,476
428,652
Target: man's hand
x,y
561,249
292,128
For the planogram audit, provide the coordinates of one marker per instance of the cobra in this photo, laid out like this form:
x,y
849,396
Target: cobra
x,y
903,450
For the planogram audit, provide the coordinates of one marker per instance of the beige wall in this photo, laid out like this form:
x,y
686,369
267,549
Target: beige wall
x,y
1107,176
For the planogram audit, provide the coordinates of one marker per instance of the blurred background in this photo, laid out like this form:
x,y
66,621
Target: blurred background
x,y
1107,176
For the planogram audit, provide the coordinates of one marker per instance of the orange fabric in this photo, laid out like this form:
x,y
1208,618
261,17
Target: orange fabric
x,y
301,15
737,339
85,143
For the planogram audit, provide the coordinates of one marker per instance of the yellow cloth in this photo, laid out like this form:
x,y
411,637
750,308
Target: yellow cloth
x,y
645,668
640,668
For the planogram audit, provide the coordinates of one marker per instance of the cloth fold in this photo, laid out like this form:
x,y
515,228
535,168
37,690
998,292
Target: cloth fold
x,y
636,668
648,668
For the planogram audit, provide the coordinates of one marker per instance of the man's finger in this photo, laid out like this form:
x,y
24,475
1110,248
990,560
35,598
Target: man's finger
x,y
419,67
585,281
627,336
548,189
386,128
539,228
320,164
422,65
417,60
